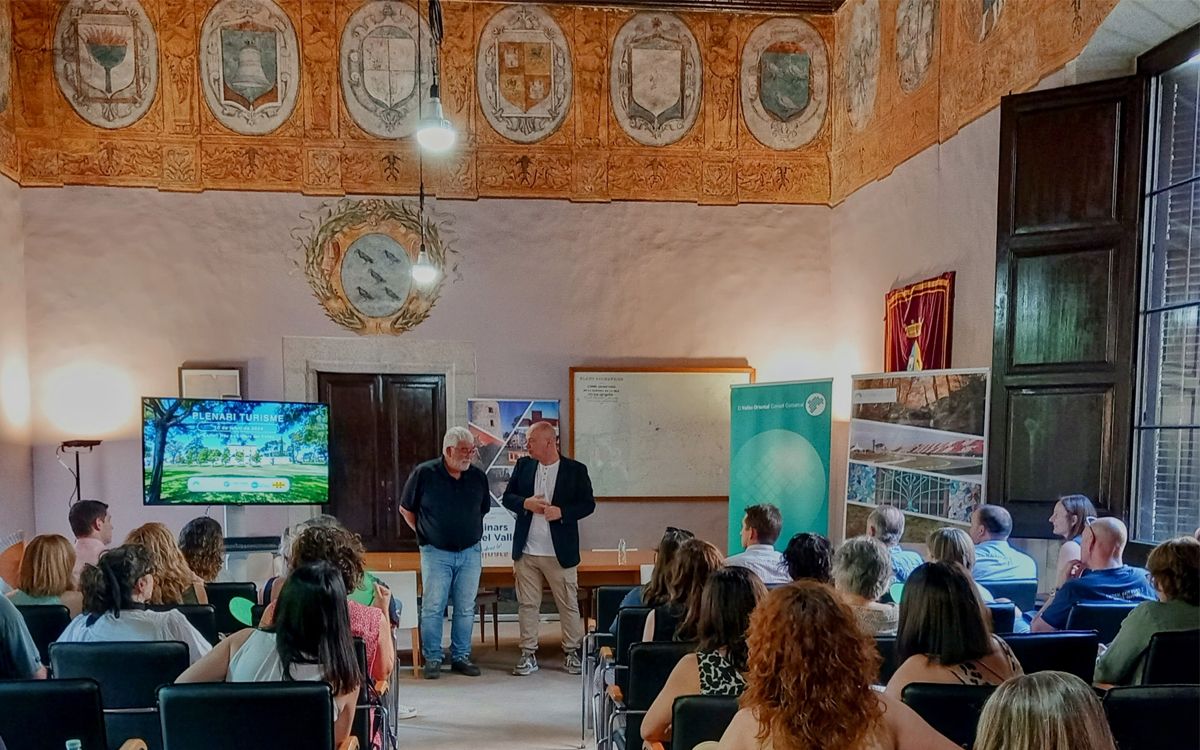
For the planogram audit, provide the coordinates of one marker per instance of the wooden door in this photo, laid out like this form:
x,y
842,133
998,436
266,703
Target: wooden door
x,y
1066,298
380,427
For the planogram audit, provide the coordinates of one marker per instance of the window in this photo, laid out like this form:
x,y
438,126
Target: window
x,y
1167,424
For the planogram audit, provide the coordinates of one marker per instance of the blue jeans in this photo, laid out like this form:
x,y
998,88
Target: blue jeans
x,y
448,577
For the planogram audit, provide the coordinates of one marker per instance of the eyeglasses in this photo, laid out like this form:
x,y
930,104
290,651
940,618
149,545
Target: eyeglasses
x,y
1089,520
680,532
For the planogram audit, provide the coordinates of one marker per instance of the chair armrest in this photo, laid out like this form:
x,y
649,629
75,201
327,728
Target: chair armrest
x,y
350,743
606,653
133,744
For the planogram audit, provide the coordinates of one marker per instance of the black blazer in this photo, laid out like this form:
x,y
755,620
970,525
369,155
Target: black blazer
x,y
572,493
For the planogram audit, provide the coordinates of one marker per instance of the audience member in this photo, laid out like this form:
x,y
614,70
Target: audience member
x,y
862,573
1044,711
309,642
18,654
678,616
174,581
656,592
945,635
1100,575
269,592
92,526
46,574
203,546
809,557
761,525
886,523
995,558
115,592
719,664
951,545
809,682
1174,568
1068,521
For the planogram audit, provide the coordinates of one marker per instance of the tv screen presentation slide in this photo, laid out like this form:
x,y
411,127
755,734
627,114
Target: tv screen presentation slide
x,y
202,452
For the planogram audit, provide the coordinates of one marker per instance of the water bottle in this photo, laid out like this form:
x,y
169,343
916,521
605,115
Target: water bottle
x,y
621,552
74,745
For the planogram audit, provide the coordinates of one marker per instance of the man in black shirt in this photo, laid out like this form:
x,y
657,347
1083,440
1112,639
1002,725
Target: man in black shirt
x,y
444,501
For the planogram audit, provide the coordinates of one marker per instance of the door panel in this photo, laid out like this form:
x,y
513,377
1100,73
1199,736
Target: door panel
x,y
1061,308
415,418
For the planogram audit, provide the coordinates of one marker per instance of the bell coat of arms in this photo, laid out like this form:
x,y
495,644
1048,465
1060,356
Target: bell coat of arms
x,y
785,83
656,78
382,44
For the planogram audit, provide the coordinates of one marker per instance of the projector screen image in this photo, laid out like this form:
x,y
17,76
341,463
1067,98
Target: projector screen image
x,y
199,452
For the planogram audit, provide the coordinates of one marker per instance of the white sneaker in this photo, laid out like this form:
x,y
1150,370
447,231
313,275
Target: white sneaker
x,y
405,712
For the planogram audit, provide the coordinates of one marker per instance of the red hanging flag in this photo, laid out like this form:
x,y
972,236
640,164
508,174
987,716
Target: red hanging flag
x,y
917,327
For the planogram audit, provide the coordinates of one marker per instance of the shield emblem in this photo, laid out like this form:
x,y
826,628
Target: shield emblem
x,y
784,72
526,73
389,65
107,54
249,65
656,80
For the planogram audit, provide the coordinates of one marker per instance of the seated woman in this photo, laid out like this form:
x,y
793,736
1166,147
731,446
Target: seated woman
x,y
1068,521
203,546
809,681
677,618
945,634
862,572
46,574
656,591
951,545
115,592
175,583
309,641
809,556
1174,568
718,666
1041,711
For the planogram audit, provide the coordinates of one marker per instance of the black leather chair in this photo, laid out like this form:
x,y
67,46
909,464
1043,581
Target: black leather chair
x,y
700,718
886,645
129,675
953,710
1004,616
256,613
608,601
44,714
234,716
221,594
203,618
1065,651
1022,593
1150,717
631,623
1173,658
1105,619
46,622
650,665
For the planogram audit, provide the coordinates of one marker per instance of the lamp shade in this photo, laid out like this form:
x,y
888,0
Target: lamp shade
x,y
424,272
435,133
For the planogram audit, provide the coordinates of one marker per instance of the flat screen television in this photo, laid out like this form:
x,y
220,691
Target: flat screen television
x,y
209,452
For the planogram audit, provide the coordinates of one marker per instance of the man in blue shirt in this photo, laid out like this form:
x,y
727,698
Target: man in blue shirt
x,y
886,523
760,528
1101,575
995,558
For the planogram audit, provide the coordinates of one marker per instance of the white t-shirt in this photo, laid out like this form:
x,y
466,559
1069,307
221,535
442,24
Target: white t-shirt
x,y
138,625
539,542
257,660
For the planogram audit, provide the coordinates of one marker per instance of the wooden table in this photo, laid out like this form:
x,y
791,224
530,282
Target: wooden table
x,y
595,568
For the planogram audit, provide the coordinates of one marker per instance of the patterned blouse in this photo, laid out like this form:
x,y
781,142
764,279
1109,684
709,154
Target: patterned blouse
x,y
717,675
978,673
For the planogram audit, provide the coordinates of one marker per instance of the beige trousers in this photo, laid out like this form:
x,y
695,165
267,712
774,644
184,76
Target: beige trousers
x,y
533,573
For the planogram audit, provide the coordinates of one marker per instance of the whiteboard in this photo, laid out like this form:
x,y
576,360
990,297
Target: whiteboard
x,y
654,433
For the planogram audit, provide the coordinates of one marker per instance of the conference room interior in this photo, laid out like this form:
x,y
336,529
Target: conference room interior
x,y
248,289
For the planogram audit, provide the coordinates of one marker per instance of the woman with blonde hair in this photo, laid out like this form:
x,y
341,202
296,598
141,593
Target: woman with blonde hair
x,y
174,581
809,682
46,574
1044,711
951,545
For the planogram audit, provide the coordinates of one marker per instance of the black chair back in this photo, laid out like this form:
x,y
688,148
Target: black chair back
x,y
1065,651
608,601
246,716
1022,593
700,718
1104,618
1173,658
650,665
129,675
256,613
44,714
1151,717
953,710
221,594
46,622
1004,616
203,618
631,622
886,645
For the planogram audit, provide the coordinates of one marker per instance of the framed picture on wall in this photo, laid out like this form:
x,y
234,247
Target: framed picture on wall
x,y
212,380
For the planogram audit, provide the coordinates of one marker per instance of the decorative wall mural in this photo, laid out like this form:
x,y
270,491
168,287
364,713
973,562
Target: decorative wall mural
x,y
106,60
862,62
378,66
916,37
249,65
655,78
358,257
785,83
523,73
5,55
981,16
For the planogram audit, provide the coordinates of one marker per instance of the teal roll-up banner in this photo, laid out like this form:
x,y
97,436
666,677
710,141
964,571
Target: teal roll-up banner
x,y
779,454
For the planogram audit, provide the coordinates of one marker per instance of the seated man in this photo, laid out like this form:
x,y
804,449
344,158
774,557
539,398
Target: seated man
x,y
995,558
886,523
92,526
760,528
1100,575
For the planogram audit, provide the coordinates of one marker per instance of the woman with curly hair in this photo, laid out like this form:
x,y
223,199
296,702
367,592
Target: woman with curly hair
x,y
174,581
203,545
809,682
809,556
678,617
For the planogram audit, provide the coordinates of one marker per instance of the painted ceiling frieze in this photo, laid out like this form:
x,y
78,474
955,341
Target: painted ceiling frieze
x,y
656,78
380,50
785,83
916,38
861,67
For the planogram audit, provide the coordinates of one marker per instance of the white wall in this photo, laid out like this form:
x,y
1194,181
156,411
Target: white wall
x,y
16,472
